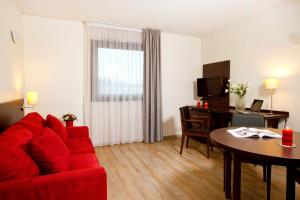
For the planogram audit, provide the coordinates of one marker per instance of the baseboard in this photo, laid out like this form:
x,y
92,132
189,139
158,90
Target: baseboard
x,y
172,132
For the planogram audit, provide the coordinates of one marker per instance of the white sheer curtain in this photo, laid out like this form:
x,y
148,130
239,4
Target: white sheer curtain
x,y
113,85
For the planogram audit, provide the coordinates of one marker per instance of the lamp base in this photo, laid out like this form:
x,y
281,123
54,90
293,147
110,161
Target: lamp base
x,y
24,106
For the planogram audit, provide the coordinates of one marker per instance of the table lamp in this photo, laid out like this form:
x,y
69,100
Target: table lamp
x,y
271,84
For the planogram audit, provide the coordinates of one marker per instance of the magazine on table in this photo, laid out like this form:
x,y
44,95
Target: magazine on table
x,y
244,132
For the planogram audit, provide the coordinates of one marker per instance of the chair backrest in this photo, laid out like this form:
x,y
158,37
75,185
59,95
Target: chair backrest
x,y
247,120
185,115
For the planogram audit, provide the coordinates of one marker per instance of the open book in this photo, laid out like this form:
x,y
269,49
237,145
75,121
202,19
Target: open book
x,y
244,132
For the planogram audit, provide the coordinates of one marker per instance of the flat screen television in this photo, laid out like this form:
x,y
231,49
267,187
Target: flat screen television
x,y
211,87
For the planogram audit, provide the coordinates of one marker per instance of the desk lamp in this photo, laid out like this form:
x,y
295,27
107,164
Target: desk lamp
x,y
271,84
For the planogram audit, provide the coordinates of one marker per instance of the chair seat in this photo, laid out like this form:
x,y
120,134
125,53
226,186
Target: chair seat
x,y
198,129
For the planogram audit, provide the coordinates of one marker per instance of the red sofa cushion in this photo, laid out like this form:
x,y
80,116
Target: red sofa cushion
x,y
34,122
16,164
16,135
57,126
83,184
77,131
36,117
83,161
80,145
50,153
35,127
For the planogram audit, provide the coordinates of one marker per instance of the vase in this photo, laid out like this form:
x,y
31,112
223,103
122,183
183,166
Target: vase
x,y
69,123
240,103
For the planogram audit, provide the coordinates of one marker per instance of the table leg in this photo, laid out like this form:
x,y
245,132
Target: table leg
x,y
285,120
268,176
227,174
236,177
272,123
224,171
290,183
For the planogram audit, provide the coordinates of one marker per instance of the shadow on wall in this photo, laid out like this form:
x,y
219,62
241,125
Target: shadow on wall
x,y
264,94
169,127
195,90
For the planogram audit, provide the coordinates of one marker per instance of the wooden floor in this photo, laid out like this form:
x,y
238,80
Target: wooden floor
x,y
157,171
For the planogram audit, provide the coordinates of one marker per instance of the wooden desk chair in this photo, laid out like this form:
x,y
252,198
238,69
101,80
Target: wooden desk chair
x,y
195,128
253,120
247,120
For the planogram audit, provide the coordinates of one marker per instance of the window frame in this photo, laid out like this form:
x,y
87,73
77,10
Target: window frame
x,y
95,45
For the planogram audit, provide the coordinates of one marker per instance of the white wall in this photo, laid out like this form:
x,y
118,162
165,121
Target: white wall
x,y
181,66
54,68
259,48
11,55
53,59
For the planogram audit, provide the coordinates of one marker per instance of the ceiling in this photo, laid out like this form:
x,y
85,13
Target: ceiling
x,y
191,17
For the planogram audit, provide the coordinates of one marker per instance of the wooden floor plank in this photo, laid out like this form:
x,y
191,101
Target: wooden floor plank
x,y
158,172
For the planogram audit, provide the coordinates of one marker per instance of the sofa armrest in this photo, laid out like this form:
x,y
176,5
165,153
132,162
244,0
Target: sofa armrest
x,y
76,185
78,131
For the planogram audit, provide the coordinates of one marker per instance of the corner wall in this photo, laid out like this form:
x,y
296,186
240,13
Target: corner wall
x,y
259,48
53,57
54,68
11,54
181,66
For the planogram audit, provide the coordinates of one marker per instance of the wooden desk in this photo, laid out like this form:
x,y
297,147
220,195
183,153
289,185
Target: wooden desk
x,y
221,117
266,150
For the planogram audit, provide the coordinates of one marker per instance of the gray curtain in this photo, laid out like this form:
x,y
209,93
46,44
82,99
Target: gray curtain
x,y
152,103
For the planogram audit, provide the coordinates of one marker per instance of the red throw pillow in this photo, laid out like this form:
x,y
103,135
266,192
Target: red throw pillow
x,y
35,127
50,153
57,126
36,117
16,135
16,164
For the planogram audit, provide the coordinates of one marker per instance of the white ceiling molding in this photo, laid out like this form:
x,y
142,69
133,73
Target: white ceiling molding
x,y
114,26
190,17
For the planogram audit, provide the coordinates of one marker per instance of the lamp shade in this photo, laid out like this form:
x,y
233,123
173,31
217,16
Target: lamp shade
x,y
271,83
32,98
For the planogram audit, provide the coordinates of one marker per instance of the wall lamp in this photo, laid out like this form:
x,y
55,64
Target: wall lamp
x,y
32,98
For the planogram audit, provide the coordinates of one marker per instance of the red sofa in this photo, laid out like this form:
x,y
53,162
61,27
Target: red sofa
x,y
21,176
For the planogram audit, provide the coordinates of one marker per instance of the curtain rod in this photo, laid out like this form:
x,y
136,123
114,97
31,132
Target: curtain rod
x,y
114,26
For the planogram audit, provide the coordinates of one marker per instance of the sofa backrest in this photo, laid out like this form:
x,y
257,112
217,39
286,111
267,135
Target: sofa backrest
x,y
14,148
20,133
22,137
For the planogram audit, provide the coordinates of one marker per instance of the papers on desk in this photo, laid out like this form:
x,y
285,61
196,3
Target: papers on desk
x,y
244,132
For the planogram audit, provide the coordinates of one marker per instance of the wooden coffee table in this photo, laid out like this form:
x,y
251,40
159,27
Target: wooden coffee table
x,y
265,150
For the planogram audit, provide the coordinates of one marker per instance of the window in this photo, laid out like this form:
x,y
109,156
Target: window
x,y
118,73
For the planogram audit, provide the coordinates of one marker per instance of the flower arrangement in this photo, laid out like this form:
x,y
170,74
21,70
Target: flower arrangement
x,y
239,89
69,117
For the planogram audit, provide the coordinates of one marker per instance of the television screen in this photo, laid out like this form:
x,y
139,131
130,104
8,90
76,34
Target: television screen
x,y
211,87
